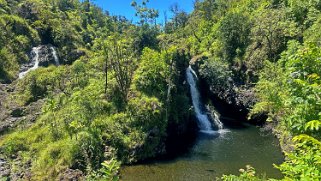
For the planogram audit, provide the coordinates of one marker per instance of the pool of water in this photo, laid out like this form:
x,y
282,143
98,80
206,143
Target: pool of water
x,y
213,155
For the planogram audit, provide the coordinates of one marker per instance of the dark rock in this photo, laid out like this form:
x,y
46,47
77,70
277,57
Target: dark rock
x,y
74,55
46,56
4,168
72,175
238,95
22,169
12,114
17,112
233,99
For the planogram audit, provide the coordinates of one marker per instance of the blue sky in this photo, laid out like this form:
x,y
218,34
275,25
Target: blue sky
x,y
122,7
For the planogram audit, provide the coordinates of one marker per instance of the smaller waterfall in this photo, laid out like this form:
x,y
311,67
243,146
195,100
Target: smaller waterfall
x,y
217,121
35,51
54,54
44,51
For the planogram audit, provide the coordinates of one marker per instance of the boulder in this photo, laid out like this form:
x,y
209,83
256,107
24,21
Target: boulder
x,y
70,175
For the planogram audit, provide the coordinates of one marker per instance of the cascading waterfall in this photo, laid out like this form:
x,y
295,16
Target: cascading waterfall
x,y
203,120
35,60
35,50
54,54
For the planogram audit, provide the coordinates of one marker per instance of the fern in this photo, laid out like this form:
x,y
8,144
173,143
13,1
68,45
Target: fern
x,y
305,139
314,125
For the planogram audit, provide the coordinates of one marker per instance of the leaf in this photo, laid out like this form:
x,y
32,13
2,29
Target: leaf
x,y
314,76
314,125
303,138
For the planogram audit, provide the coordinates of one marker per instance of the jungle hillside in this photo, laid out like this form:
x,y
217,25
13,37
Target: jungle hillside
x,y
84,93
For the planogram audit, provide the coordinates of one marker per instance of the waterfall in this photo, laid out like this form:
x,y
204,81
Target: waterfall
x,y
217,121
43,50
35,59
203,120
54,54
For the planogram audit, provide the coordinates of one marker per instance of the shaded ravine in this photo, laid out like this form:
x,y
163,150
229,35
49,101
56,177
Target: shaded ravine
x,y
216,151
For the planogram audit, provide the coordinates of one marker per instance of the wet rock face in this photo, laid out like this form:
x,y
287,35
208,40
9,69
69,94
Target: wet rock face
x,y
46,56
235,95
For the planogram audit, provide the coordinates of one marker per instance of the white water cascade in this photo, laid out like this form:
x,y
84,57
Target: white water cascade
x,y
203,120
35,59
54,54
217,121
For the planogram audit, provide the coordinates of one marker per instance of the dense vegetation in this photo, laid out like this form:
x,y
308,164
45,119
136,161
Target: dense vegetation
x,y
115,103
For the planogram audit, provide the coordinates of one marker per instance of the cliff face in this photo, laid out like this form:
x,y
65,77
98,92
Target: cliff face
x,y
230,97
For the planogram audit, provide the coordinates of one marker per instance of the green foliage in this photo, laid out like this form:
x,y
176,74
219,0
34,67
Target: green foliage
x,y
110,169
247,174
150,77
55,157
269,35
17,37
234,33
270,90
147,15
295,86
295,104
116,102
313,125
146,36
312,34
304,163
304,12
217,74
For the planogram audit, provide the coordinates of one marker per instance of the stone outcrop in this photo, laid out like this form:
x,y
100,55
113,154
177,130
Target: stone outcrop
x,y
237,96
12,114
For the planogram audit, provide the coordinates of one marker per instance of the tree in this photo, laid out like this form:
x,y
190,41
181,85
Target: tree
x,y
146,15
122,62
273,28
234,33
146,33
179,19
106,58
269,36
